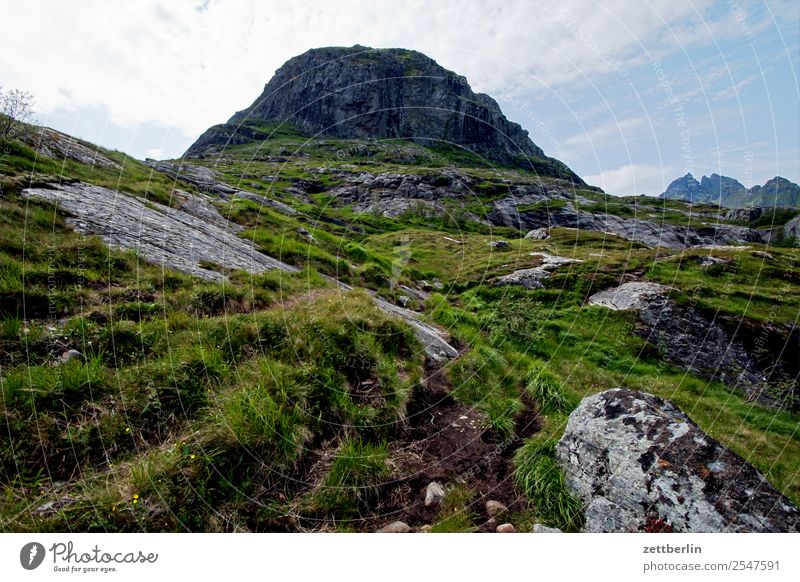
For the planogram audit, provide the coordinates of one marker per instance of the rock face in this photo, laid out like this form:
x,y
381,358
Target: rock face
x,y
652,234
686,338
725,191
775,192
165,236
686,188
635,459
361,92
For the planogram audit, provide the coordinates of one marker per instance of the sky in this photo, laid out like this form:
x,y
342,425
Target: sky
x,y
631,94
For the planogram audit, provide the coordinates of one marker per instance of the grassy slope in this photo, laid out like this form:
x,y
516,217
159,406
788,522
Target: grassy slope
x,y
185,414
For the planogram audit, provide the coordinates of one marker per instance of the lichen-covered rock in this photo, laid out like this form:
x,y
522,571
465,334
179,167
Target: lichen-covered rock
x,y
537,234
635,459
631,295
539,528
434,494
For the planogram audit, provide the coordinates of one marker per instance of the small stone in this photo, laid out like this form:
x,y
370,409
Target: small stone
x,y
500,244
404,300
434,494
395,527
505,528
303,232
538,234
495,508
539,528
436,284
708,261
52,507
425,528
69,355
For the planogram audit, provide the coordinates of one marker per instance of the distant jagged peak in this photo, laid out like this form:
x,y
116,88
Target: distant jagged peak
x,y
729,192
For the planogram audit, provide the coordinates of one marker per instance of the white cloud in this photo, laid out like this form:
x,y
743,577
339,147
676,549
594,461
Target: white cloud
x,y
634,179
614,131
155,153
189,66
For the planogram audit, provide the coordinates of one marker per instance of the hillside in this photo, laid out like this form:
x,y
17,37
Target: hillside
x,y
353,333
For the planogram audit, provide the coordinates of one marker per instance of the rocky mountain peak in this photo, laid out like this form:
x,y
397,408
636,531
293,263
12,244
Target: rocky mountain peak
x,y
365,93
729,192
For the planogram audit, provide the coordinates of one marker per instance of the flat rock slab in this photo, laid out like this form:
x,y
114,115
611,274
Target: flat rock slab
x,y
54,144
633,295
162,235
434,341
637,461
532,278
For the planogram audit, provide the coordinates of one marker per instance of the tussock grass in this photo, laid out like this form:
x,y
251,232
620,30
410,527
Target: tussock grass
x,y
538,475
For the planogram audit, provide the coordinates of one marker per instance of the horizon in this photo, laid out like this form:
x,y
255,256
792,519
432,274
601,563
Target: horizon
x,y
631,100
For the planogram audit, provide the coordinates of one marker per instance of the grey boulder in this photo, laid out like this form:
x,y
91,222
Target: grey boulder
x,y
637,461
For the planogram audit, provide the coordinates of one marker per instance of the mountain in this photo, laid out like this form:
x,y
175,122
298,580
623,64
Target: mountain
x,y
362,334
361,92
775,192
728,192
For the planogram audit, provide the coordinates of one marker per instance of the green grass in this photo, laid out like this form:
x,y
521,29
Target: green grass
x,y
539,477
455,515
352,480
267,412
271,402
485,379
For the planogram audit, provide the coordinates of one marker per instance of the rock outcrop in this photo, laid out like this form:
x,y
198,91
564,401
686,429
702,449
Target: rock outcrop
x,y
162,235
207,180
510,212
632,295
637,461
687,338
60,146
392,195
532,278
361,92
